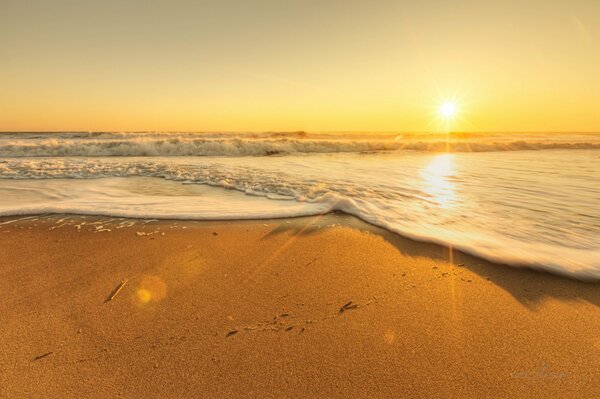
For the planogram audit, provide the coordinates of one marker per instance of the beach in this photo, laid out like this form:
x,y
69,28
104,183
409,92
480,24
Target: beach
x,y
300,200
312,307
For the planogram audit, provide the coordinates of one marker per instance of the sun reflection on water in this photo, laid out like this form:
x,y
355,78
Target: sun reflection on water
x,y
437,180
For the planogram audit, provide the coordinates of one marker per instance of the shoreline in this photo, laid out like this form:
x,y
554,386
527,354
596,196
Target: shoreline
x,y
322,306
434,243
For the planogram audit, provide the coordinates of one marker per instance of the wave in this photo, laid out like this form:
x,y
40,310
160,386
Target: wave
x,y
540,211
163,199
265,144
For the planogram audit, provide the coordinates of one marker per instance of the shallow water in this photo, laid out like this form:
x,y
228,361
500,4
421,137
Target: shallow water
x,y
538,208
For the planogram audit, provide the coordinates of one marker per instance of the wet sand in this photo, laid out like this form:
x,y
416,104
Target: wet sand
x,y
320,307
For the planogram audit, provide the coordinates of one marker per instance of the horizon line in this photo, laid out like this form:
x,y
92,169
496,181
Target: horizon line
x,y
312,131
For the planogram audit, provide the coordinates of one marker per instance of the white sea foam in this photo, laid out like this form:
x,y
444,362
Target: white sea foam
x,y
538,209
142,198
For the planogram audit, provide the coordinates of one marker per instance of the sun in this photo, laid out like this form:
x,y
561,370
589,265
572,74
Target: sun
x,y
447,110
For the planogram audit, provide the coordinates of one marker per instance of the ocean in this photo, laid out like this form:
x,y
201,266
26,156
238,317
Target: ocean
x,y
520,199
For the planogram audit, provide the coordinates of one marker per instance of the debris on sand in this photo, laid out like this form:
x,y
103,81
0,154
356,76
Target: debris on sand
x,y
231,332
116,291
215,233
289,328
311,262
348,306
42,356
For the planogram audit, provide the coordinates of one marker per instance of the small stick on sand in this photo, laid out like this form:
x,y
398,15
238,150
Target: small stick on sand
x,y
42,356
311,262
116,291
348,306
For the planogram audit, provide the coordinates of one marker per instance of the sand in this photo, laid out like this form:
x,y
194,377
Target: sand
x,y
321,307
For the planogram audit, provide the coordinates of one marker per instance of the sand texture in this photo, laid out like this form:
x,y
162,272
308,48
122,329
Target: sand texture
x,y
320,307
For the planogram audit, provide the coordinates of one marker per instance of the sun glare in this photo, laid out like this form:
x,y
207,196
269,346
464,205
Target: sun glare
x,y
447,110
438,183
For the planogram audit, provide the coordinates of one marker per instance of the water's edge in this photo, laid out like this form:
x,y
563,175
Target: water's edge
x,y
435,247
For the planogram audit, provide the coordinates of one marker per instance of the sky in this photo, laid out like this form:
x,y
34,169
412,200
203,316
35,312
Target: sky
x,y
308,65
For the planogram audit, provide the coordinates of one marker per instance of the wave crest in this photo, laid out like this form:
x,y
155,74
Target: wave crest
x,y
236,145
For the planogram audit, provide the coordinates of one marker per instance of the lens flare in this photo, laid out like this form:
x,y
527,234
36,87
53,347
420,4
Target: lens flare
x,y
151,289
144,296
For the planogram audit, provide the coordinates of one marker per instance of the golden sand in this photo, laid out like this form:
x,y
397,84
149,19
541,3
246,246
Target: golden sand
x,y
321,307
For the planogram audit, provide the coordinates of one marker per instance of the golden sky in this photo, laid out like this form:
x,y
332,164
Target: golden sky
x,y
321,65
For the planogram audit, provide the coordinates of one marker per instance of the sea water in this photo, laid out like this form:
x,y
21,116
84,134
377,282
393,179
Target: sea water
x,y
513,198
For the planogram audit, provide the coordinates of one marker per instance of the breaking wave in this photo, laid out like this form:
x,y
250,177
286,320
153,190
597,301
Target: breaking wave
x,y
537,209
266,144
